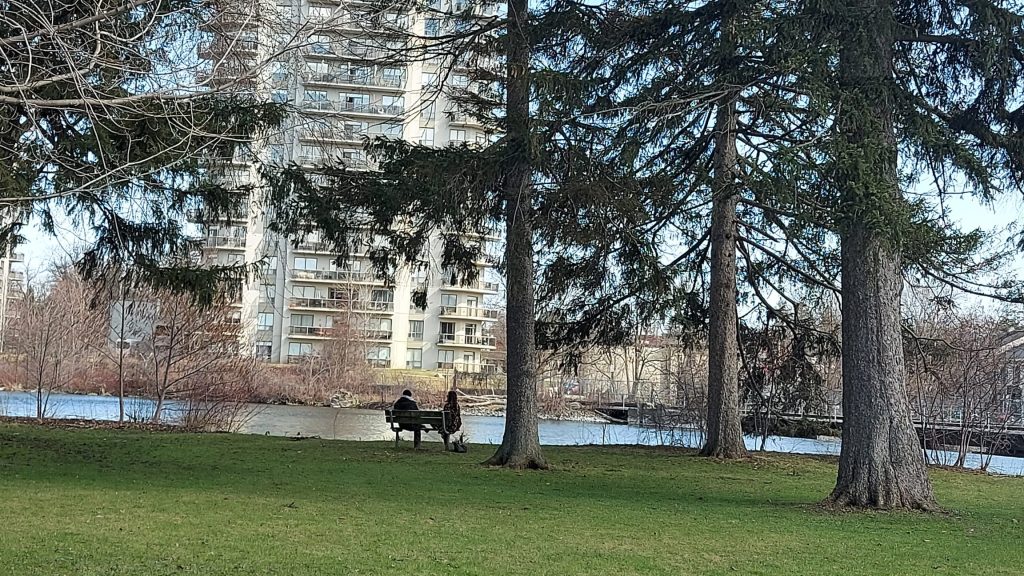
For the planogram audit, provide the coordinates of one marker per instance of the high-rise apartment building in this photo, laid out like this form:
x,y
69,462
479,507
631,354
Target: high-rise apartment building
x,y
345,92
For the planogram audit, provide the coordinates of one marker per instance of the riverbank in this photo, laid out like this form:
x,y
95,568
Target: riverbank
x,y
99,502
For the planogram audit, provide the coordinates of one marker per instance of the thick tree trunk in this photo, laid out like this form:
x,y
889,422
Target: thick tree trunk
x,y
881,464
520,445
725,433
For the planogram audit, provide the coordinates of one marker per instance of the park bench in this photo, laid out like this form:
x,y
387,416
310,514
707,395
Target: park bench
x,y
420,420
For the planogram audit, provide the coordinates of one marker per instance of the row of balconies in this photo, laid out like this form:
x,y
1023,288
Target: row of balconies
x,y
342,304
465,340
342,78
386,335
469,367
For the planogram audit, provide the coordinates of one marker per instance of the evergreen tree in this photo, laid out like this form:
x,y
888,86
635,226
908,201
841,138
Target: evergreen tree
x,y
112,118
933,84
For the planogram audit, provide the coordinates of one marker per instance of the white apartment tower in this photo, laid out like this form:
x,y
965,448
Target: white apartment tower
x,y
305,299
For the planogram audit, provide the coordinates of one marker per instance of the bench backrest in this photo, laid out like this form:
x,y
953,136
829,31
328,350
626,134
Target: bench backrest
x,y
430,417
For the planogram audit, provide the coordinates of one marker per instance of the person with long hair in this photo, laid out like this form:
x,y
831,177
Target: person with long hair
x,y
452,417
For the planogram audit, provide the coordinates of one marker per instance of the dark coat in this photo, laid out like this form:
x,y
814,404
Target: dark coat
x,y
406,403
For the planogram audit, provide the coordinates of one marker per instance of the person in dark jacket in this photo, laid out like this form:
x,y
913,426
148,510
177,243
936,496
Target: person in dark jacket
x,y
406,402
452,418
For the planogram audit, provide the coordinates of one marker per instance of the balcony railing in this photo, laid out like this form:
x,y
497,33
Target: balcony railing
x,y
463,340
479,285
360,107
469,312
334,275
225,241
319,303
381,80
310,331
471,367
377,335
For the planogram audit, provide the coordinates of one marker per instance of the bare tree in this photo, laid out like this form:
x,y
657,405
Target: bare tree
x,y
50,333
957,377
193,355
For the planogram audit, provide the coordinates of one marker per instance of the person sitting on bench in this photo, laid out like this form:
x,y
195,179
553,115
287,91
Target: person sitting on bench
x,y
406,402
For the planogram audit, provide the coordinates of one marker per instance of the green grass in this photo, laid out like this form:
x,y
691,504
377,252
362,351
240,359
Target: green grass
x,y
89,502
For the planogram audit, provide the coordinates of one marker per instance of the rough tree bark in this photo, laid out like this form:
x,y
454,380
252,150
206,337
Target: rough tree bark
x,y
724,431
881,464
520,445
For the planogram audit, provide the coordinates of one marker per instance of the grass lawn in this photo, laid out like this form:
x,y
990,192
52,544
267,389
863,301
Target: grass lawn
x,y
92,502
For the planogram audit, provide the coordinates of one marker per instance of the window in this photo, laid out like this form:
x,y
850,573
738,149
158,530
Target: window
x,y
416,330
304,291
430,111
431,27
414,358
445,357
447,332
311,154
354,101
471,302
457,135
392,76
278,71
320,44
382,296
470,331
318,72
450,300
390,129
276,154
379,324
264,321
319,13
378,355
302,319
300,348
393,104
305,263
279,96
427,137
429,79
460,80
315,95
264,350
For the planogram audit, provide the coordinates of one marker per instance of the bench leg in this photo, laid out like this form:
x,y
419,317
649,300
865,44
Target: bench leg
x,y
445,438
396,439
416,439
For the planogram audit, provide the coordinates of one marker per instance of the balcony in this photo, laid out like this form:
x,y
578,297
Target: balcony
x,y
469,312
477,286
225,242
319,303
379,362
469,367
463,340
372,306
375,108
377,335
362,277
345,51
310,331
349,79
199,216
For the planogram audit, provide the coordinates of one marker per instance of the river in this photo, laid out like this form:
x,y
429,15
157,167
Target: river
x,y
353,424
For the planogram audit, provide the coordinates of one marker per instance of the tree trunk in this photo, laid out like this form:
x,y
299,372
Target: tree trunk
x,y
881,464
725,433
520,445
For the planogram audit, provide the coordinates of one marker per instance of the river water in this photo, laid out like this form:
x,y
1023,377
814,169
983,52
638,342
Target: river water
x,y
352,424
